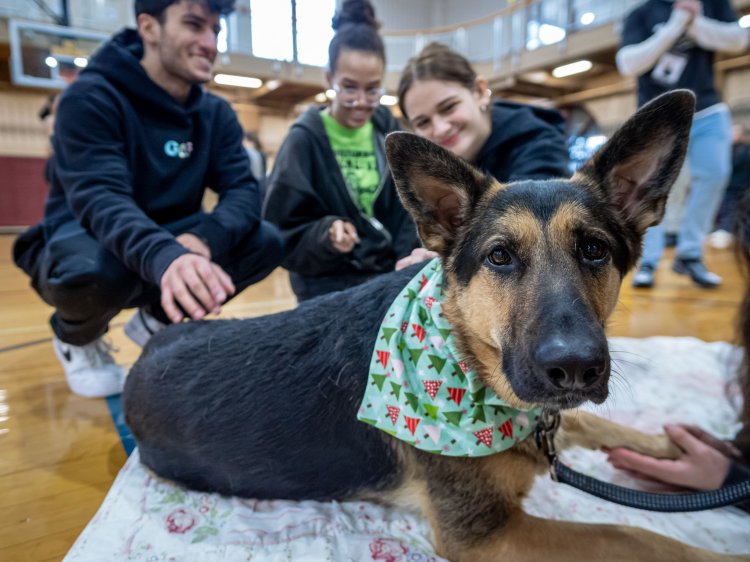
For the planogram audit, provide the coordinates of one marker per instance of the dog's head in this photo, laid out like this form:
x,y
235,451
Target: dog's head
x,y
534,268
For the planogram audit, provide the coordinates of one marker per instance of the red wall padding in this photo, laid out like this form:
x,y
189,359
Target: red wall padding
x,y
23,190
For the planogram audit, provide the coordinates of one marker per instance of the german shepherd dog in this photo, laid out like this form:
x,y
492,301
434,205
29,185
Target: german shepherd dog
x,y
267,407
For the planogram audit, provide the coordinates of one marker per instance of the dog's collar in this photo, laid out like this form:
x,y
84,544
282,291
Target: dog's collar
x,y
420,391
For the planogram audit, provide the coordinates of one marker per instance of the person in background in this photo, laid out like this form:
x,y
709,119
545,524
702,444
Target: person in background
x,y
670,45
739,184
136,142
330,191
254,149
444,100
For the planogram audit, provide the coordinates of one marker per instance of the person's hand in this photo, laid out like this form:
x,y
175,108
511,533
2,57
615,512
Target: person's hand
x,y
702,465
194,244
343,235
694,8
417,255
196,284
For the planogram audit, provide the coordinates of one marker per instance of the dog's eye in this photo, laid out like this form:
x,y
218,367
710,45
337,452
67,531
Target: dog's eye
x,y
499,256
594,250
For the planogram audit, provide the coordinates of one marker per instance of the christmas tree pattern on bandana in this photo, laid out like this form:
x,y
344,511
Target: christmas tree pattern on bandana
x,y
420,391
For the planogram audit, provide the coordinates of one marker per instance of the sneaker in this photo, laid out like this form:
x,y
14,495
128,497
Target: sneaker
x,y
90,369
142,326
697,271
644,277
720,239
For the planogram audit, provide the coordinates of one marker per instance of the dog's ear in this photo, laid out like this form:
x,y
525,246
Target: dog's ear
x,y
638,165
437,187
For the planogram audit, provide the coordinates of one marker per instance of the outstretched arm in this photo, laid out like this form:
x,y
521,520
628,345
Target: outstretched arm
x,y
714,35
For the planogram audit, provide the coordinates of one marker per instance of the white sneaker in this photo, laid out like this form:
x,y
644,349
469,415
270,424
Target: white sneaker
x,y
90,369
142,326
720,239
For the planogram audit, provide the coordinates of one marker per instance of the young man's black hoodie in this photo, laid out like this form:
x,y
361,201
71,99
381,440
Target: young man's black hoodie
x,y
131,164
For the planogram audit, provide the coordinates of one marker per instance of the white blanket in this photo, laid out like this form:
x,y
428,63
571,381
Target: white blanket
x,y
655,381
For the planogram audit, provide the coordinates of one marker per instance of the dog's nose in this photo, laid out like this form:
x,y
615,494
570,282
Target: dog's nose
x,y
571,365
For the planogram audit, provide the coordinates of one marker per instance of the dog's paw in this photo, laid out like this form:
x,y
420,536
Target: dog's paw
x,y
659,446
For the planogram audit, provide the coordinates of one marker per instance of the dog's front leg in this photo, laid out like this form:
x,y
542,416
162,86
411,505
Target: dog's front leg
x,y
591,431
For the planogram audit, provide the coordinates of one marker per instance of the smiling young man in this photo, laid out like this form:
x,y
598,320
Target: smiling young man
x,y
137,141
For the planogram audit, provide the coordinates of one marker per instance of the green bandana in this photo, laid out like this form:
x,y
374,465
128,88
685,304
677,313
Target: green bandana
x,y
421,392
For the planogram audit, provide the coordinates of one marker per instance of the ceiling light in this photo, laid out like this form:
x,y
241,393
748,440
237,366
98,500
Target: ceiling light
x,y
572,68
587,18
240,81
388,100
51,61
81,62
321,97
550,34
271,85
745,21
330,94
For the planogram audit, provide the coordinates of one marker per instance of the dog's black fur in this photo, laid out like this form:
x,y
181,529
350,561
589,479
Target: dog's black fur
x,y
296,378
266,407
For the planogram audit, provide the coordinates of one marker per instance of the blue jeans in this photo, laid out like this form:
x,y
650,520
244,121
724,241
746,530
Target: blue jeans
x,y
710,162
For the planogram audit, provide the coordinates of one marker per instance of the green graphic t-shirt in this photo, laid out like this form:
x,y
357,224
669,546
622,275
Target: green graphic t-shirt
x,y
355,153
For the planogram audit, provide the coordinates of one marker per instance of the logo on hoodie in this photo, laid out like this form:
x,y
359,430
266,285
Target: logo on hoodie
x,y
176,149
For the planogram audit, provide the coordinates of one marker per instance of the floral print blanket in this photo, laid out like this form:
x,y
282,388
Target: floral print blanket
x,y
655,380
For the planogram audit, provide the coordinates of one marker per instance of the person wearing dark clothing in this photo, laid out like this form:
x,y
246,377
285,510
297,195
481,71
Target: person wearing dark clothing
x,y
445,101
670,45
309,192
136,143
330,191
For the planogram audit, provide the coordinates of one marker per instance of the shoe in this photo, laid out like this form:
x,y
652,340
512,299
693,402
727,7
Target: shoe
x,y
720,239
644,277
670,239
142,326
90,369
697,271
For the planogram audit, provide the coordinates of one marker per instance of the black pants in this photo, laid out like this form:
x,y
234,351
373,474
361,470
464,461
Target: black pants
x,y
88,286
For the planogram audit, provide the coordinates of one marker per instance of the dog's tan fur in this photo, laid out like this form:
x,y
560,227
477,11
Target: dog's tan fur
x,y
474,504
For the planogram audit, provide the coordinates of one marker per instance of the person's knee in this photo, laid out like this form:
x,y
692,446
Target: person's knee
x,y
88,282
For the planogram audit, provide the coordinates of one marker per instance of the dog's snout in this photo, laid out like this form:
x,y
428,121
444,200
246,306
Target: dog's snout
x,y
571,366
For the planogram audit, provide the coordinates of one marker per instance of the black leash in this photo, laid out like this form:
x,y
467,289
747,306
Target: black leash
x,y
549,422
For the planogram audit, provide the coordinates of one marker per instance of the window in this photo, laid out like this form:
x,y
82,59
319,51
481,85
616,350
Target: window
x,y
271,22
314,30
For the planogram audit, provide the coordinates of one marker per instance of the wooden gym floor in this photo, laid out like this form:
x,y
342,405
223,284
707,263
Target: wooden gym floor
x,y
60,453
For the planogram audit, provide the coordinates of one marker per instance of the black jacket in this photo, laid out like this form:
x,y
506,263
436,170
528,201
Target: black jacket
x,y
526,142
131,164
307,192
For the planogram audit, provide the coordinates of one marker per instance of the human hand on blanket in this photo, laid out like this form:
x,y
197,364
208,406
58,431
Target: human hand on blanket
x,y
703,465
